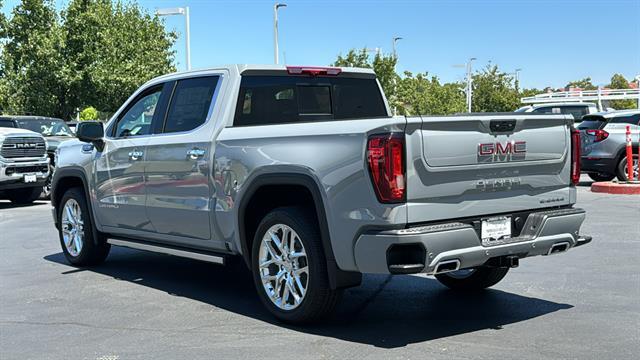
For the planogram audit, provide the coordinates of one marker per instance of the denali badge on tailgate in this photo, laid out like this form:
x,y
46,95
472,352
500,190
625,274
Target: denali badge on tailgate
x,y
497,151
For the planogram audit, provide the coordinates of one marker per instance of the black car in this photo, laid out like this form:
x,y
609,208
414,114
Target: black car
x,y
53,129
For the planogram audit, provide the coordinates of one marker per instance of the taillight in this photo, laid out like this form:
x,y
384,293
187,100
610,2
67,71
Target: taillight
x,y
385,155
575,157
599,134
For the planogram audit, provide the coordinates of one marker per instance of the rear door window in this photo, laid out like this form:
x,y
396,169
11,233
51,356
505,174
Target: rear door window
x,y
267,100
190,103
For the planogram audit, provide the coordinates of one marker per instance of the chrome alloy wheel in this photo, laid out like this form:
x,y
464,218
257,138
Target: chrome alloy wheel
x,y
283,267
72,227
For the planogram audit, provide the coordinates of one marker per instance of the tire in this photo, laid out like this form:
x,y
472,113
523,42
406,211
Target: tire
x,y
87,252
318,300
601,176
622,165
25,195
478,279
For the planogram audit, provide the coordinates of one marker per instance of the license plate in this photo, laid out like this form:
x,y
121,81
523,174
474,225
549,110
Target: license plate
x,y
495,229
30,178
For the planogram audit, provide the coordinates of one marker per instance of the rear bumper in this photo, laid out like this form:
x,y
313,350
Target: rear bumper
x,y
598,165
544,233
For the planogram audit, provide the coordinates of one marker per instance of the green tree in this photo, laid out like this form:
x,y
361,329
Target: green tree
x,y
422,94
494,90
32,65
382,65
618,81
97,52
112,49
584,84
89,113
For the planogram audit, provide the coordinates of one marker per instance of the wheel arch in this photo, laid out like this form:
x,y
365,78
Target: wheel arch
x,y
65,179
337,278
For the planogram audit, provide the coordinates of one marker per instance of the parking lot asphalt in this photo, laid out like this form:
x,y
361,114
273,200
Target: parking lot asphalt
x,y
584,304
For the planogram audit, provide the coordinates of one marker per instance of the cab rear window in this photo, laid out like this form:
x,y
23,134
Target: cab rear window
x,y
265,100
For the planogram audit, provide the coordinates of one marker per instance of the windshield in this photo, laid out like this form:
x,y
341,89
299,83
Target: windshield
x,y
46,127
523,109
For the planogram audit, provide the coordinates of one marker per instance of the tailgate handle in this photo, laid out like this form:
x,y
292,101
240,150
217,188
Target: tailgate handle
x,y
502,125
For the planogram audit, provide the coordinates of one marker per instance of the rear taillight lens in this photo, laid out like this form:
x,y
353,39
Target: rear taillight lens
x,y
575,157
385,155
598,134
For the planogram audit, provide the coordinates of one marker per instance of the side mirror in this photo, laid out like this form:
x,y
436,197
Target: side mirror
x,y
91,132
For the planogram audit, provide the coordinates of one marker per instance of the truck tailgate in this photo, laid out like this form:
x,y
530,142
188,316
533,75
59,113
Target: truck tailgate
x,y
476,165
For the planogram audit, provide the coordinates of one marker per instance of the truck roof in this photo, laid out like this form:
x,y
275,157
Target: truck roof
x,y
241,68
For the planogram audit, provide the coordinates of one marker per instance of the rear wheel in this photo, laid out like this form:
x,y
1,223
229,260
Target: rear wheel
x,y
622,168
24,195
289,267
76,231
601,176
472,279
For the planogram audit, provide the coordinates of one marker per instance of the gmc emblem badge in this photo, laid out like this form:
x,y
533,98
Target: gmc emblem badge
x,y
497,151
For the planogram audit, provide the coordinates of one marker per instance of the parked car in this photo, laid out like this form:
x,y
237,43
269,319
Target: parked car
x,y
604,144
54,130
24,165
577,110
304,174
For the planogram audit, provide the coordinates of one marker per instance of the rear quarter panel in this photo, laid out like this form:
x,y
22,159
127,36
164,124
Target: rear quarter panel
x,y
330,153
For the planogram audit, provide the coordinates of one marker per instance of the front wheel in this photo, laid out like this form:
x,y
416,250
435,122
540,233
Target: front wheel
x,y
472,279
289,267
76,231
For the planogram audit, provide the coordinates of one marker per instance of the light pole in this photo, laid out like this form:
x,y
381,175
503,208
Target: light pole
x,y
638,81
517,73
180,11
276,6
395,40
469,81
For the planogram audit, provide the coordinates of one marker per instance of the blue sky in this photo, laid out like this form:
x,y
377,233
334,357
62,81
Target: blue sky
x,y
552,41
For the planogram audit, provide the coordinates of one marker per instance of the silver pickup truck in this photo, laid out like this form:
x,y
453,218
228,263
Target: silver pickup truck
x,y
303,174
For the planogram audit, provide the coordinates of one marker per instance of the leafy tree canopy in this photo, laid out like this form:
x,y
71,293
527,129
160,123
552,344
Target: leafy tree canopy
x,y
93,52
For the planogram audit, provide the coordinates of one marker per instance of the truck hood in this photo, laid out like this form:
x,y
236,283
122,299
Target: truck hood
x,y
54,141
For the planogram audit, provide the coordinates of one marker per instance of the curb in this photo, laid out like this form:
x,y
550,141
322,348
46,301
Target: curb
x,y
615,188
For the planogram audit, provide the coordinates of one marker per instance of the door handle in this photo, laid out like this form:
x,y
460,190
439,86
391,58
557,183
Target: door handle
x,y
194,154
135,155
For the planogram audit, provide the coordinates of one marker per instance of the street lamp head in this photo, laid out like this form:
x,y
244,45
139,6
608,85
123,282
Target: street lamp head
x,y
518,70
472,59
279,5
170,11
397,38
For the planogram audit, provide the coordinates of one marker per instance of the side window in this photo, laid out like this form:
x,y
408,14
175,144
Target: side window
x,y
546,110
190,103
137,118
629,119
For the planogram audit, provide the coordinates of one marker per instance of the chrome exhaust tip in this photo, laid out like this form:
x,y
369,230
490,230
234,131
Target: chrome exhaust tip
x,y
559,248
447,266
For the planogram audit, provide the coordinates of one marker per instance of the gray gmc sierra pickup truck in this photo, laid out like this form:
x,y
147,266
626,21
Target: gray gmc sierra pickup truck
x,y
303,173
